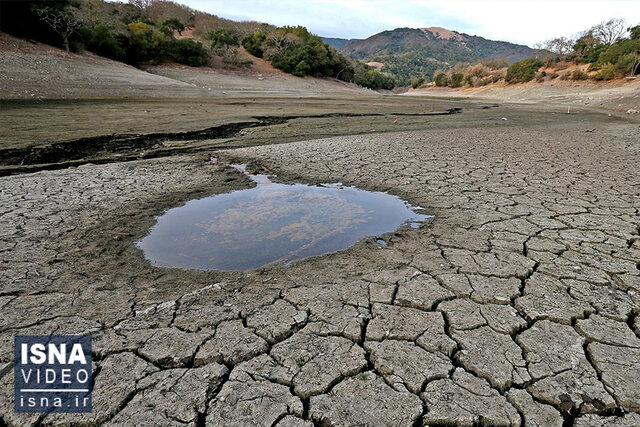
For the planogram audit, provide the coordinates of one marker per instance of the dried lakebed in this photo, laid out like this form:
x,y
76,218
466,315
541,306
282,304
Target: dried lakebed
x,y
272,223
127,147
518,304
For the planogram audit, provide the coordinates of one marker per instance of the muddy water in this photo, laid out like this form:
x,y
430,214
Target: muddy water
x,y
271,223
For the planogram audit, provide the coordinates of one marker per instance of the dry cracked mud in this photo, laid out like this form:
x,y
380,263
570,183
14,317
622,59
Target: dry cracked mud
x,y
517,305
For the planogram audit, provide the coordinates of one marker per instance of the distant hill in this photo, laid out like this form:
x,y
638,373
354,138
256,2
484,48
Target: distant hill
x,y
337,42
415,52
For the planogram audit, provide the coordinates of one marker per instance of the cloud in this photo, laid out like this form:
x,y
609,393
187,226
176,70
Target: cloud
x,y
530,21
332,18
523,21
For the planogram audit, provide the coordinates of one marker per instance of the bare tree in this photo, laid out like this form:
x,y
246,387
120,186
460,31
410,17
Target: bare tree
x,y
538,49
561,46
62,21
609,32
142,4
278,44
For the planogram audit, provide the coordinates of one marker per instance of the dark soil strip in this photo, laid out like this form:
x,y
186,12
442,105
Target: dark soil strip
x,y
128,146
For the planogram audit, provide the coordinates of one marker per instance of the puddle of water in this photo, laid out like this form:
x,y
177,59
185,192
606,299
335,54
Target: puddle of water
x,y
271,223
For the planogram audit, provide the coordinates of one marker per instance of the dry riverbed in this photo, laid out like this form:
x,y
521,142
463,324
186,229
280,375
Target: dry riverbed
x,y
518,303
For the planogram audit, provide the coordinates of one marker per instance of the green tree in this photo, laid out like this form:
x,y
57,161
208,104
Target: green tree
x,y
174,24
146,42
584,45
523,71
187,51
456,79
618,50
302,69
104,42
440,79
629,63
222,39
253,43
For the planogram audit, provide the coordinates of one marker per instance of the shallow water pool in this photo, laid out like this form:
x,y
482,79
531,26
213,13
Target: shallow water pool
x,y
271,223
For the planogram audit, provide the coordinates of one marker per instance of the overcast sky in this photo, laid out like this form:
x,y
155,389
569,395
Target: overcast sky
x,y
518,21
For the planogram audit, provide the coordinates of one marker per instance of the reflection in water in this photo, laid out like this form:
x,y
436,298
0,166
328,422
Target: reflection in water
x,y
271,223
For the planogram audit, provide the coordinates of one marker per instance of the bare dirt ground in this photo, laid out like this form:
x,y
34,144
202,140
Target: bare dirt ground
x,y
516,305
617,96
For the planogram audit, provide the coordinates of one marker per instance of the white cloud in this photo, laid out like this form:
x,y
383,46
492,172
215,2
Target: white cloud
x,y
522,21
529,21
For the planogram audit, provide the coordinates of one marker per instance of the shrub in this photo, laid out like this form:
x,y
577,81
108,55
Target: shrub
x,y
523,71
456,79
221,39
478,70
553,76
498,75
579,75
440,79
593,67
495,78
102,41
146,42
481,81
607,72
231,57
253,43
187,51
302,69
417,82
629,63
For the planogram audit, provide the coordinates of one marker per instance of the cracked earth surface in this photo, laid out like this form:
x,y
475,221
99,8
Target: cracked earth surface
x,y
517,305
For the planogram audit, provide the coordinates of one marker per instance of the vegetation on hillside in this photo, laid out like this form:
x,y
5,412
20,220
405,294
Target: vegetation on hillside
x,y
609,46
603,52
151,31
124,32
415,56
523,71
409,53
295,50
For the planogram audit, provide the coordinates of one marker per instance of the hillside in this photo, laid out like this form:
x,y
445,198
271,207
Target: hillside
x,y
338,43
154,32
32,70
411,52
36,71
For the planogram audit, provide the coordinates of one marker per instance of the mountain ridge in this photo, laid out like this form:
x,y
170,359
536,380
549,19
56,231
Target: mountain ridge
x,y
416,52
338,42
